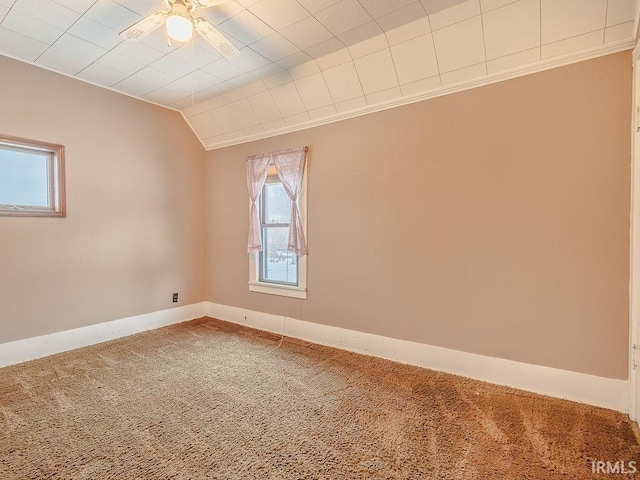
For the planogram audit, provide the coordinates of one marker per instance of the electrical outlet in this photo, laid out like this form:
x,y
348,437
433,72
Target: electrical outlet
x,y
175,298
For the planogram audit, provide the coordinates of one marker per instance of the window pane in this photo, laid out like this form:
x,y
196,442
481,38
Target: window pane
x,y
277,204
24,178
278,264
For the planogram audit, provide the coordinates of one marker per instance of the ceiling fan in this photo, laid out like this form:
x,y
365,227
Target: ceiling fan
x,y
181,21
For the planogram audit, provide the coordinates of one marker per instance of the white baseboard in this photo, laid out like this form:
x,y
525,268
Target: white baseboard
x,y
579,387
42,346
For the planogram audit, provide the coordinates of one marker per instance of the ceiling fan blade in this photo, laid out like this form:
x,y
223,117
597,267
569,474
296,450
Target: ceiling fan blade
x,y
215,38
206,3
145,26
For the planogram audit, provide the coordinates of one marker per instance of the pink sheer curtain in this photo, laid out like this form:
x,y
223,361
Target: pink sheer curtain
x,y
290,167
257,169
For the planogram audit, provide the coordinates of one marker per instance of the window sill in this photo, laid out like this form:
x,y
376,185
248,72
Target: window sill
x,y
282,290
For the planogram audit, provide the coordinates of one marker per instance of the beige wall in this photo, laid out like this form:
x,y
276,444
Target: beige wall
x,y
494,221
135,208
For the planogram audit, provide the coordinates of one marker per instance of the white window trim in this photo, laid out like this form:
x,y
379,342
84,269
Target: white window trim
x,y
56,185
255,285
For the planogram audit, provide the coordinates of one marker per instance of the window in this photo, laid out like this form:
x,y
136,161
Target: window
x,y
275,270
31,178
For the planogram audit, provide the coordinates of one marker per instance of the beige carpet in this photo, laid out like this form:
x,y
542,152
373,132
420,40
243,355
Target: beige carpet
x,y
206,399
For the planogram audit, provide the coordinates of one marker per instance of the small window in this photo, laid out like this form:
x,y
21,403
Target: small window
x,y
275,270
277,264
31,178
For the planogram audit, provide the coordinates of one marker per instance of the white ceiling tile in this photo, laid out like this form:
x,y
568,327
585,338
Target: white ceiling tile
x,y
379,8
287,99
372,45
242,114
514,60
313,91
274,47
294,60
119,63
305,69
274,125
141,7
220,13
79,47
204,125
146,80
247,132
376,72
79,6
243,80
411,13
182,103
247,3
334,59
572,44
323,112
194,55
9,3
488,5
268,71
421,86
204,106
112,15
246,27
567,18
351,105
512,29
254,88
30,27
277,79
193,83
264,107
619,32
163,96
306,33
61,60
464,74
325,48
222,116
383,96
249,60
415,59
314,6
138,52
95,32
279,14
20,46
361,33
343,82
297,119
3,12
454,14
343,16
159,40
172,66
233,96
409,31
48,12
101,75
620,11
222,69
459,45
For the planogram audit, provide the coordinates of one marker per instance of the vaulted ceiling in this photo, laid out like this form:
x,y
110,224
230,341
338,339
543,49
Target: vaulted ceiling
x,y
307,62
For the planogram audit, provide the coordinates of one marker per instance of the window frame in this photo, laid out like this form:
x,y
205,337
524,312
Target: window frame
x,y
271,288
55,178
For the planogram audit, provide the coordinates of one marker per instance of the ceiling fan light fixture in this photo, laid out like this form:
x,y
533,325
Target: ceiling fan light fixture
x,y
179,25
